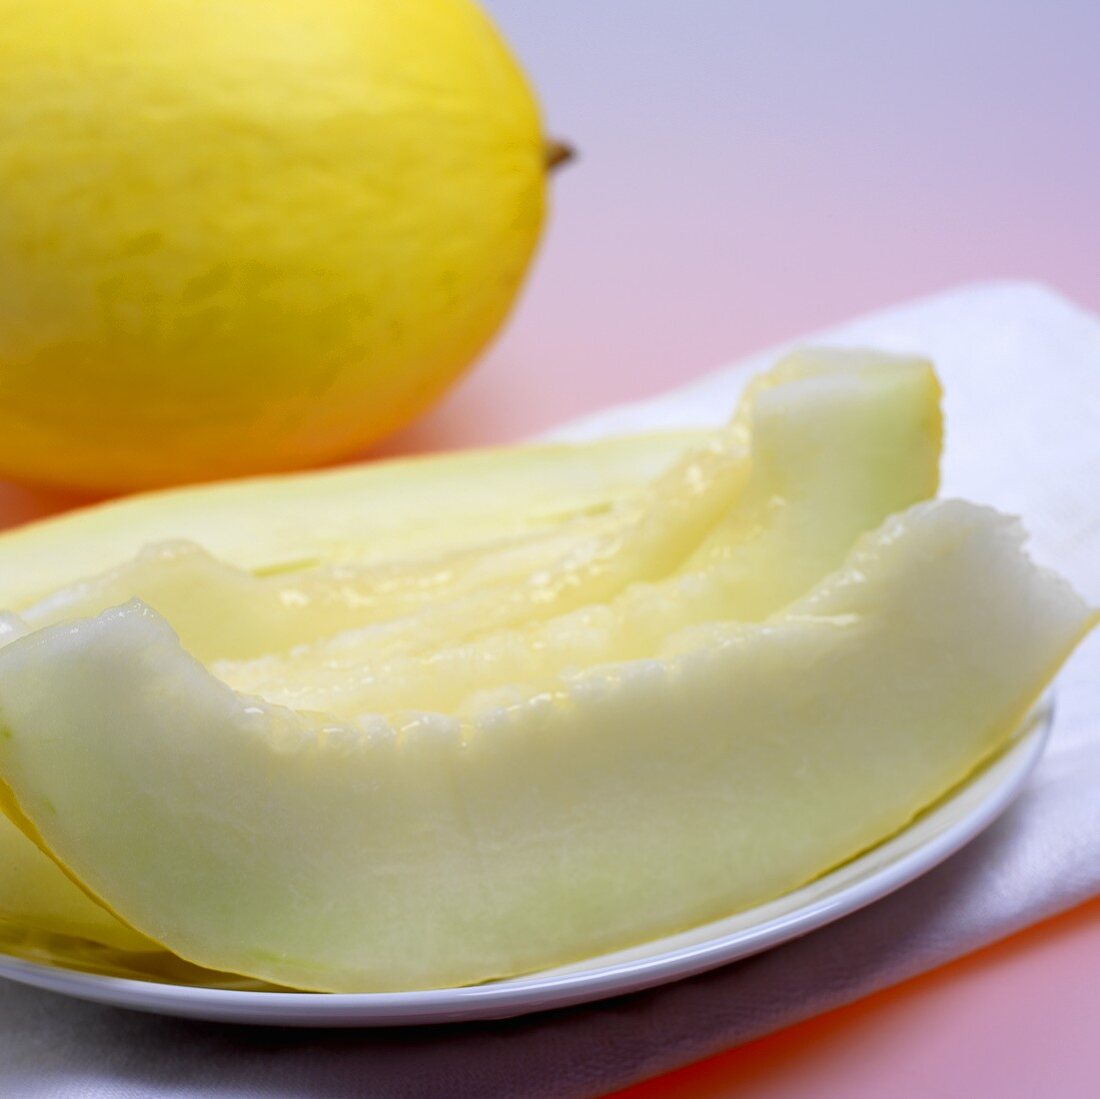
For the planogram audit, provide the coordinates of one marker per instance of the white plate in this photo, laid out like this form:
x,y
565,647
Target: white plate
x,y
931,838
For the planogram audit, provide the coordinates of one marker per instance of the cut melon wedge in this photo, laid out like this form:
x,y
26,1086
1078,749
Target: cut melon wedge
x,y
633,800
220,609
875,449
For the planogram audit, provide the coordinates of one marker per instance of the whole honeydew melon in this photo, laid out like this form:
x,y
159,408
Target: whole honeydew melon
x,y
249,235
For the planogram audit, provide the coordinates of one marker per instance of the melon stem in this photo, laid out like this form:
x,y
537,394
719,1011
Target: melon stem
x,y
558,153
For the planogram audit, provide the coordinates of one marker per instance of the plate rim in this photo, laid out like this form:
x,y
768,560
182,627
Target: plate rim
x,y
572,985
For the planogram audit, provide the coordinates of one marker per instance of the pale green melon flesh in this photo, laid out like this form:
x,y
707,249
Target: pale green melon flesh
x,y
834,450
633,800
222,611
37,895
221,608
368,513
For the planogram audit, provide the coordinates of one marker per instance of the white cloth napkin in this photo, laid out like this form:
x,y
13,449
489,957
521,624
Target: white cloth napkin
x,y
1021,368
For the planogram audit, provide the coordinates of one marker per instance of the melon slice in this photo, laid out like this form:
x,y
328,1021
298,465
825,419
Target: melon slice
x,y
635,799
219,609
875,450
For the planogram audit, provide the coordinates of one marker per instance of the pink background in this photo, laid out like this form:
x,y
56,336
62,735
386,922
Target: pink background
x,y
750,171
